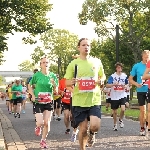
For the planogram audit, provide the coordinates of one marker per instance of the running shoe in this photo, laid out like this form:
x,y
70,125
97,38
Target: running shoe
x,y
38,131
43,144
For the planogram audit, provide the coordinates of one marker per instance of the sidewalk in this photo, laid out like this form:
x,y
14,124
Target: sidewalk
x,y
2,142
9,139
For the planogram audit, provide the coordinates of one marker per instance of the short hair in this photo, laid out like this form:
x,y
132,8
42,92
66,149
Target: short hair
x,y
43,58
35,70
79,42
118,64
145,52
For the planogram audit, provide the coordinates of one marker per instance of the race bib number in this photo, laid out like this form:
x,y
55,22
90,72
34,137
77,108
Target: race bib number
x,y
86,84
118,89
67,94
18,94
144,82
44,97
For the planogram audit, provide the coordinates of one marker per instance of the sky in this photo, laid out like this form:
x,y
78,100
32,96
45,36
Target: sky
x,y
63,16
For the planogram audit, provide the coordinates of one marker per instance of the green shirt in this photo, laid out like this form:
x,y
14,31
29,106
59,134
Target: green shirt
x,y
88,71
43,82
16,88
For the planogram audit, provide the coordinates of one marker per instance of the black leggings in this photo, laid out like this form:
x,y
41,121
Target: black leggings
x,y
57,103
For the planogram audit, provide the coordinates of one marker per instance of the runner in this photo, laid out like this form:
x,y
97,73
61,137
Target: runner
x,y
86,98
57,103
138,70
10,99
33,87
117,82
17,98
24,96
127,94
7,98
46,83
146,76
108,99
65,104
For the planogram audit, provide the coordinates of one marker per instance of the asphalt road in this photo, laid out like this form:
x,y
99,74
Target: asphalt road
x,y
124,139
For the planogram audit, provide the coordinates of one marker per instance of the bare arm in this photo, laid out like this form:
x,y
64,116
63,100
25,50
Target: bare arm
x,y
146,74
70,83
70,89
109,85
30,90
131,81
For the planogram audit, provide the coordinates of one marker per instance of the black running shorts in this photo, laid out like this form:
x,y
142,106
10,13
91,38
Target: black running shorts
x,y
115,104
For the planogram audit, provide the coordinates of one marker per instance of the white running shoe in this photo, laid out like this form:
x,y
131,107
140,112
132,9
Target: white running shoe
x,y
115,127
142,132
121,124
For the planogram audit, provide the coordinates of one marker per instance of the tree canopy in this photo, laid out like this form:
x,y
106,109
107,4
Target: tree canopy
x,y
133,17
22,16
56,44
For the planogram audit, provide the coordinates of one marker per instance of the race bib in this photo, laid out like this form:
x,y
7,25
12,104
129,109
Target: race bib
x,y
144,82
18,94
118,89
44,97
86,84
67,94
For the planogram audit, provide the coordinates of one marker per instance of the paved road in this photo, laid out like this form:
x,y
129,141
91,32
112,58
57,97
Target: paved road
x,y
123,139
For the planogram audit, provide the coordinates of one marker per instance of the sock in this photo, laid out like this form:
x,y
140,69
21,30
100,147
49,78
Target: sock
x,y
68,130
91,132
120,120
146,123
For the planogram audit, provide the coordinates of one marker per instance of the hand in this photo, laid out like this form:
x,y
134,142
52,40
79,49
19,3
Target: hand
x,y
53,82
115,83
100,82
138,85
33,98
74,81
122,86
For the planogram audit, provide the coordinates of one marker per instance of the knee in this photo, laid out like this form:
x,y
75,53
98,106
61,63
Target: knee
x,y
149,110
66,115
94,127
46,123
19,104
115,112
83,131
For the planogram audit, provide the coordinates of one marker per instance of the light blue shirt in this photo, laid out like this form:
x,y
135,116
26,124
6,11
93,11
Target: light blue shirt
x,y
138,70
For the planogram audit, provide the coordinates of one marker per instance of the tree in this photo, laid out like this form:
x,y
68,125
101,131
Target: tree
x,y
105,50
26,66
133,17
57,43
22,16
2,80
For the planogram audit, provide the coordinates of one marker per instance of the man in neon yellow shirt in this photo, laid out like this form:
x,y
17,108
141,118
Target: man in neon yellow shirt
x,y
86,100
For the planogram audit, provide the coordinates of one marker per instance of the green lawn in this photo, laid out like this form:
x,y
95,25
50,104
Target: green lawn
x,y
129,112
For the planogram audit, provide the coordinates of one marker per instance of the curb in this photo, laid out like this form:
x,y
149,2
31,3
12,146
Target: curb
x,y
2,142
127,117
11,138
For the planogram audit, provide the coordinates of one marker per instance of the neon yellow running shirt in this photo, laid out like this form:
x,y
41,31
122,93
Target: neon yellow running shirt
x,y
89,71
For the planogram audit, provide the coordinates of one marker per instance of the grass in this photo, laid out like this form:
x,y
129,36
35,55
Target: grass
x,y
129,112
